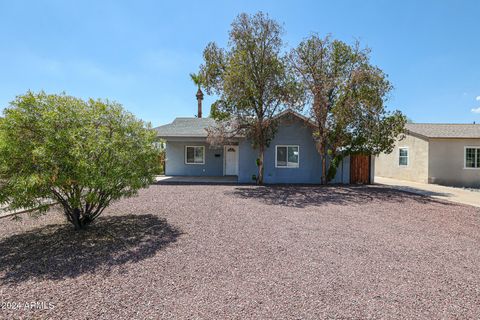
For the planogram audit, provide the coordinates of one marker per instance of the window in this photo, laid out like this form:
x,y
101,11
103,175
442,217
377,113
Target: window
x,y
403,156
287,156
195,155
472,157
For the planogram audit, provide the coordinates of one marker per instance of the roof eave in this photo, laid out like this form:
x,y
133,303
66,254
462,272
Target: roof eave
x,y
191,136
180,136
454,137
416,134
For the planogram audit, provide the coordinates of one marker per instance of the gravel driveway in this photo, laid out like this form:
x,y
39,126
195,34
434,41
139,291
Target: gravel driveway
x,y
245,252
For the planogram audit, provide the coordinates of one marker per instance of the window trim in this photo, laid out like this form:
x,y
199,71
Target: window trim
x,y
408,157
287,145
194,163
465,157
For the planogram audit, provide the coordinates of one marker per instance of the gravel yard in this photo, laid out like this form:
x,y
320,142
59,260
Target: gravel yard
x,y
245,252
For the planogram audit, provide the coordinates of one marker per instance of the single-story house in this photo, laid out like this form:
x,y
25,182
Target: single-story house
x,y
290,158
447,154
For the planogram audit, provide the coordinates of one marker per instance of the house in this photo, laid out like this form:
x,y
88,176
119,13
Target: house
x,y
290,158
447,154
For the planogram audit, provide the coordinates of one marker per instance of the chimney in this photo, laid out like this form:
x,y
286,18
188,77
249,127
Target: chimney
x,y
199,99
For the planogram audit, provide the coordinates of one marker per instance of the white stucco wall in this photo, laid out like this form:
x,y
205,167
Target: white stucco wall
x,y
387,165
447,163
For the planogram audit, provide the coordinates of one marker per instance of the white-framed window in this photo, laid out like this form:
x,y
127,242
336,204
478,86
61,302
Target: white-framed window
x,y
287,156
472,158
403,156
194,155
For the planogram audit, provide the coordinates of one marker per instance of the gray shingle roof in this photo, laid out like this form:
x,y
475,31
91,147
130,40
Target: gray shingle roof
x,y
196,127
441,130
185,127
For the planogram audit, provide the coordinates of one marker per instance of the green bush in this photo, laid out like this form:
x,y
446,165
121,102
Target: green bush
x,y
81,154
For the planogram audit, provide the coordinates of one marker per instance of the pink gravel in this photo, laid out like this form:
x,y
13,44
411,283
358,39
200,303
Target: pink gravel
x,y
245,252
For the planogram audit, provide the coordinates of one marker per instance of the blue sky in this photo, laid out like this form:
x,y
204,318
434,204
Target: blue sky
x,y
140,53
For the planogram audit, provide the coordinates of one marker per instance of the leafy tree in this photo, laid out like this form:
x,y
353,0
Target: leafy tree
x,y
218,113
346,95
252,82
82,154
162,155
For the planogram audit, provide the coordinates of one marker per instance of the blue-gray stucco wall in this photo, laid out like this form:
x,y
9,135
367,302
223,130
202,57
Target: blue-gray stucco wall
x,y
175,162
309,171
291,132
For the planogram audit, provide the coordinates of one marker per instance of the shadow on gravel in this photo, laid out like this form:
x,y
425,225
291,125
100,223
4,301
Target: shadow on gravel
x,y
56,251
304,196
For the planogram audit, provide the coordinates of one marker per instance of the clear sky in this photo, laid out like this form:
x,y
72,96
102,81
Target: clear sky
x,y
140,53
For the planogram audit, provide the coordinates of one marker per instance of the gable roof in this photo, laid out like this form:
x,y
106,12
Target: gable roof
x,y
444,130
185,127
295,114
196,127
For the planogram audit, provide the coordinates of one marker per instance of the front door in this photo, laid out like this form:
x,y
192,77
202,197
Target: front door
x,y
231,160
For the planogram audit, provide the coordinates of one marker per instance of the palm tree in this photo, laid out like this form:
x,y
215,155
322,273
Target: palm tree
x,y
197,80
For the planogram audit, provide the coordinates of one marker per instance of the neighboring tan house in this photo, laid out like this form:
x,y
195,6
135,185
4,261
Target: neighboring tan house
x,y
447,154
290,158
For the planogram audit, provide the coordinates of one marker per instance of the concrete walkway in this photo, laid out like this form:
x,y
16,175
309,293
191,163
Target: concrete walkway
x,y
196,180
459,195
5,213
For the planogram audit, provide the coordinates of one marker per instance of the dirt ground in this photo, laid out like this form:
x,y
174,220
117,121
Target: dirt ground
x,y
246,252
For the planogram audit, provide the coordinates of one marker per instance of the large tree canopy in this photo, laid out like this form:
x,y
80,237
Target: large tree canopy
x,y
81,154
251,79
346,96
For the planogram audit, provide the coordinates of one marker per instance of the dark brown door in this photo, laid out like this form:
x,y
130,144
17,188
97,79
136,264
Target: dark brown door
x,y
359,169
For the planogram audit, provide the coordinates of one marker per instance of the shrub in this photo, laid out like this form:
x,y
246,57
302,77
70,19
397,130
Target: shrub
x,y
82,154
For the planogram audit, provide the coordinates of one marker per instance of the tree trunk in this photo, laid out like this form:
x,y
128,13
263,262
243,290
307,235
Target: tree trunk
x,y
324,164
260,165
323,152
76,219
324,168
320,110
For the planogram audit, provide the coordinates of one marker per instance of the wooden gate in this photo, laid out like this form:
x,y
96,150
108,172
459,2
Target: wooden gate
x,y
359,169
